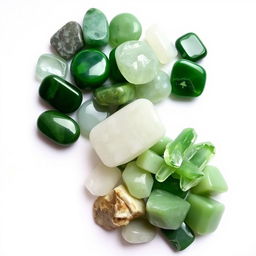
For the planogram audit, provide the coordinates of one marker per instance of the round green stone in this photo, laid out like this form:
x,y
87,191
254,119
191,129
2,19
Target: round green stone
x,y
90,68
124,27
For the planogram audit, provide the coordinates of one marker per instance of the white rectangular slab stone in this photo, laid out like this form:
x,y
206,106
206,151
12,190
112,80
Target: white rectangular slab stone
x,y
127,133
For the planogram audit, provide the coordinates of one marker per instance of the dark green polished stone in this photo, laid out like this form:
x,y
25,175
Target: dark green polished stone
x,y
115,73
187,79
180,238
61,94
190,47
90,68
58,127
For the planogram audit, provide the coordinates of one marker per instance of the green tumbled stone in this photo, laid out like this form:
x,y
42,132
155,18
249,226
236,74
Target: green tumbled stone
x,y
95,28
190,47
156,90
58,127
187,79
61,94
115,95
160,146
115,73
124,27
90,68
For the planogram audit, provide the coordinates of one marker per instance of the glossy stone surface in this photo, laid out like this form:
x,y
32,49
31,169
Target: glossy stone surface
x,y
90,68
124,27
115,95
61,94
163,48
138,231
59,127
49,64
115,73
127,133
138,181
181,238
156,90
190,47
164,172
165,210
204,215
95,28
160,146
187,79
136,62
89,115
68,40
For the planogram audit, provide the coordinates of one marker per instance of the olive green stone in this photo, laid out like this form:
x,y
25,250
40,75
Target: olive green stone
x,y
61,94
95,28
124,27
58,127
90,68
115,73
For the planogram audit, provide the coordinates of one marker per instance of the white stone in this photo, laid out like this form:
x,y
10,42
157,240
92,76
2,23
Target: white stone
x,y
127,133
102,180
163,48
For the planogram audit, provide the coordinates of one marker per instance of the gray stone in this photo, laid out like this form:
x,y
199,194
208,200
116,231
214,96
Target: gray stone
x,y
68,40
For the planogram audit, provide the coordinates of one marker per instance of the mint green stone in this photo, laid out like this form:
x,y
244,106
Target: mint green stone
x,y
160,146
136,62
156,90
138,181
164,172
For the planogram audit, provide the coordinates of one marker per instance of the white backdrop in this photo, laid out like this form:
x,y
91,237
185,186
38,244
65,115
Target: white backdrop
x,y
44,209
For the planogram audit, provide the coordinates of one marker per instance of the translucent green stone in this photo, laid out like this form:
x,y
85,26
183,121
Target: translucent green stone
x,y
138,181
166,210
136,62
160,146
164,172
124,27
156,90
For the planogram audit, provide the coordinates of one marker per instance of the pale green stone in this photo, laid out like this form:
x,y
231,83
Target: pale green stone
x,y
138,181
49,64
137,62
156,90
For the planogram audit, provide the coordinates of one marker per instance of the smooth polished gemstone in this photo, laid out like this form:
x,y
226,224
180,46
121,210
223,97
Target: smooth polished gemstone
x,y
156,90
181,238
115,95
137,62
138,231
102,179
115,73
68,40
212,183
49,64
163,48
89,115
58,127
127,133
95,28
90,68
187,79
124,27
138,181
190,47
61,94
204,215
160,146
166,210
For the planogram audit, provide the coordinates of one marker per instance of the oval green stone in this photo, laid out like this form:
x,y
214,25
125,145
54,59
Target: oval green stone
x,y
124,27
90,68
61,94
95,28
115,73
58,127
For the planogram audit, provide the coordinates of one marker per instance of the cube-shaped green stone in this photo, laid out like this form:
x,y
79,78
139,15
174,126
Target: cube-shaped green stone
x,y
166,210
204,215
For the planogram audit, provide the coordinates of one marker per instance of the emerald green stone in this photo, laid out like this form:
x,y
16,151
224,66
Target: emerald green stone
x,y
166,210
204,215
124,27
187,79
58,127
190,47
90,68
181,238
160,146
115,73
115,95
95,28
61,94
